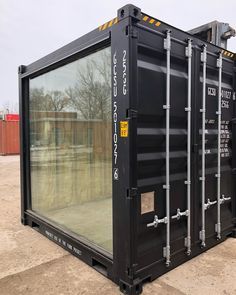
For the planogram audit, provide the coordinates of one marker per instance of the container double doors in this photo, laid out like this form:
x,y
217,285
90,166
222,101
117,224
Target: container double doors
x,y
184,148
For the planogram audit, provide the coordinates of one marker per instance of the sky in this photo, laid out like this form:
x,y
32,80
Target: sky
x,y
31,29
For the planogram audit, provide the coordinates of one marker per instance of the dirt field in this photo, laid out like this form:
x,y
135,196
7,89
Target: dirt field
x,y
31,264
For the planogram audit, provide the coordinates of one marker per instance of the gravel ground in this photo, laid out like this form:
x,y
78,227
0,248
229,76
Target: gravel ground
x,y
31,264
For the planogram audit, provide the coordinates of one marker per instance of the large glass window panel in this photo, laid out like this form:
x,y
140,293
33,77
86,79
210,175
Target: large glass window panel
x,y
70,147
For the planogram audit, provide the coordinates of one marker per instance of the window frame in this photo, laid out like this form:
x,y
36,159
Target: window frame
x,y
26,138
40,214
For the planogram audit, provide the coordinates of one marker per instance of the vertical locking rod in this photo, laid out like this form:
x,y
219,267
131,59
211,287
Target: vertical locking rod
x,y
203,110
167,47
188,182
218,225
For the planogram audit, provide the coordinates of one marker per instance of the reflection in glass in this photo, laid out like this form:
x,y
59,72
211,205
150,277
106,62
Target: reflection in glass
x,y
70,144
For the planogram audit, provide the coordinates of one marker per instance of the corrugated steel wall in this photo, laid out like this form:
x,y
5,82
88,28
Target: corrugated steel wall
x,y
9,137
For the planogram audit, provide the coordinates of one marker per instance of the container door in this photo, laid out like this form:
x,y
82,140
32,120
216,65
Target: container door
x,y
164,153
215,137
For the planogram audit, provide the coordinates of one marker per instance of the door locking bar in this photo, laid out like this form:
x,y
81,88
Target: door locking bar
x,y
202,233
209,204
204,132
167,47
223,199
221,202
179,214
157,221
188,54
166,186
218,175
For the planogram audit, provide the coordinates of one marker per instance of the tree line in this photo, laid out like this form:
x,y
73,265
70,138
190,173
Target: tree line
x,y
90,96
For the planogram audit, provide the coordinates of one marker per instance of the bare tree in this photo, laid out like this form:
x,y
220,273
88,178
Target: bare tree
x,y
37,99
53,101
91,95
57,101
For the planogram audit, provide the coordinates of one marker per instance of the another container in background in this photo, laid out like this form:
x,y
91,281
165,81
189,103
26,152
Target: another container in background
x,y
9,135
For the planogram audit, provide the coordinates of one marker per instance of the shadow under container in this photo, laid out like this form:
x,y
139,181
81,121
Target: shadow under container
x,y
127,147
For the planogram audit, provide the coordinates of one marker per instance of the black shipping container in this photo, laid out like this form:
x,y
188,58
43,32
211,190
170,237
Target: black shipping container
x,y
127,147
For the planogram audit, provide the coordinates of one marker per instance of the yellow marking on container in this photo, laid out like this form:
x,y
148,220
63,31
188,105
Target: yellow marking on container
x,y
227,53
151,21
105,26
110,23
124,127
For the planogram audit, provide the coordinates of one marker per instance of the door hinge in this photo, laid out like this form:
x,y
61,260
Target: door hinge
x,y
131,271
131,31
132,192
132,114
